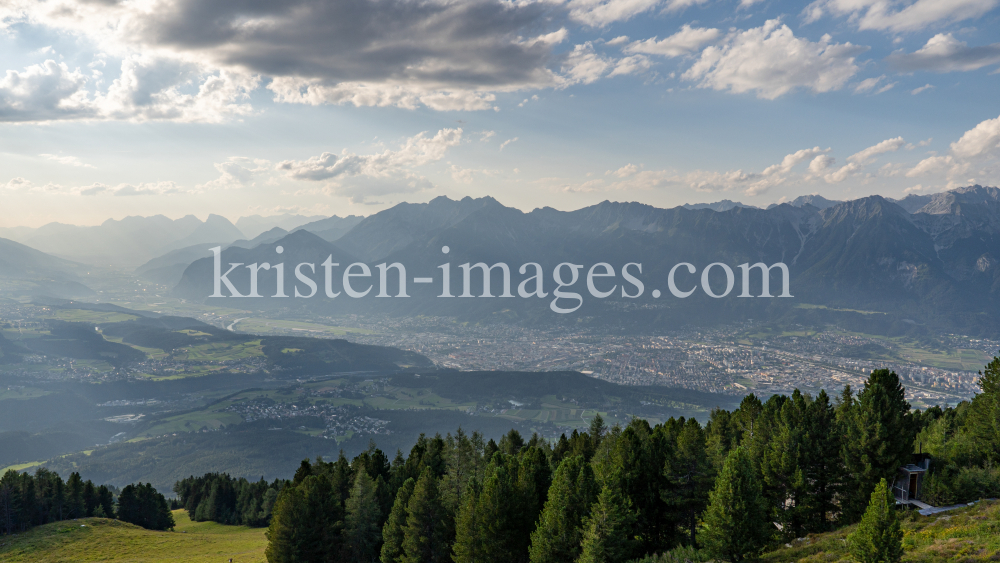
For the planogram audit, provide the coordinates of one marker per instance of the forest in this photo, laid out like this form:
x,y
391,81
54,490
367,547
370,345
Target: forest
x,y
32,500
761,475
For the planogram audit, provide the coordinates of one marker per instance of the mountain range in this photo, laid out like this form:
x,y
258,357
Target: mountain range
x,y
938,263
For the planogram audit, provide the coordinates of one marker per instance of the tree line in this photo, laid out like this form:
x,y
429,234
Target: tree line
x,y
220,498
765,473
32,500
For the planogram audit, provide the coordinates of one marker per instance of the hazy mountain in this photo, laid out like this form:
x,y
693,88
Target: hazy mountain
x,y
724,205
870,254
127,242
332,228
913,202
272,235
168,269
255,224
26,271
815,200
298,247
398,227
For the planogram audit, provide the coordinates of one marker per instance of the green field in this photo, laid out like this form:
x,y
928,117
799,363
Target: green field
x,y
21,393
97,317
956,359
256,325
111,541
967,534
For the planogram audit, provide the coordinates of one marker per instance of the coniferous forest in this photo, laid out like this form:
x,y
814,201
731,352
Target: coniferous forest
x,y
32,500
763,474
747,480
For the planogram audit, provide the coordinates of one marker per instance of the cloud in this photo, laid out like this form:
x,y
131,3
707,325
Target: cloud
x,y
882,15
944,53
238,172
147,89
620,40
67,160
389,172
681,43
869,154
440,54
507,142
771,61
981,140
599,13
486,135
916,91
976,146
869,84
856,162
44,92
127,190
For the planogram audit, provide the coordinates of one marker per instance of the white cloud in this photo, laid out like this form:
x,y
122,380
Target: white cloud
x,y
148,89
630,65
486,135
916,91
598,13
44,92
681,43
869,154
981,140
869,84
902,16
237,172
362,176
856,162
507,142
620,40
771,61
977,146
944,53
67,160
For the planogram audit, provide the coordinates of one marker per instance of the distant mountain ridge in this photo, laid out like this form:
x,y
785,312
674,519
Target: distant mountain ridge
x,y
868,254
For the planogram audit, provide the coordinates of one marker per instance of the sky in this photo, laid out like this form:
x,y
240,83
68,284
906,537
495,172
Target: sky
x,y
340,107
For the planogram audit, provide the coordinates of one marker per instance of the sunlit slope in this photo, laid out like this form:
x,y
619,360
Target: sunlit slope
x,y
98,539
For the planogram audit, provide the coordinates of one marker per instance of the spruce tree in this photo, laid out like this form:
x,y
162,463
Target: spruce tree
x,y
395,527
559,532
468,527
498,509
879,439
76,503
425,537
689,477
878,538
306,523
609,530
737,527
362,535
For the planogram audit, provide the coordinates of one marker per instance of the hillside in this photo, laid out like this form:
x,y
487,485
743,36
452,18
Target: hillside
x,y
99,539
967,534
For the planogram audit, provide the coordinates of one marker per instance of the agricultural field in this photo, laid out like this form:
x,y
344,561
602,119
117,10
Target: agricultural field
x,y
111,541
295,328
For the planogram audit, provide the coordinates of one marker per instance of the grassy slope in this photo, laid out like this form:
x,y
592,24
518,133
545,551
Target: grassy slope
x,y
113,541
967,534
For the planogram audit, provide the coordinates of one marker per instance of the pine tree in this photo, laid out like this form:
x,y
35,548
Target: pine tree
x,y
983,421
498,510
737,527
823,466
395,527
468,527
76,504
878,538
425,537
362,535
559,532
879,439
689,477
306,523
609,530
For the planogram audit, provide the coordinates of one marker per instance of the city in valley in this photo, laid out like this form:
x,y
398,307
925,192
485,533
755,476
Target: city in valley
x,y
734,359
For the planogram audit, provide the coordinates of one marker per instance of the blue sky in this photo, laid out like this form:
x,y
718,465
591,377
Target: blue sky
x,y
347,107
